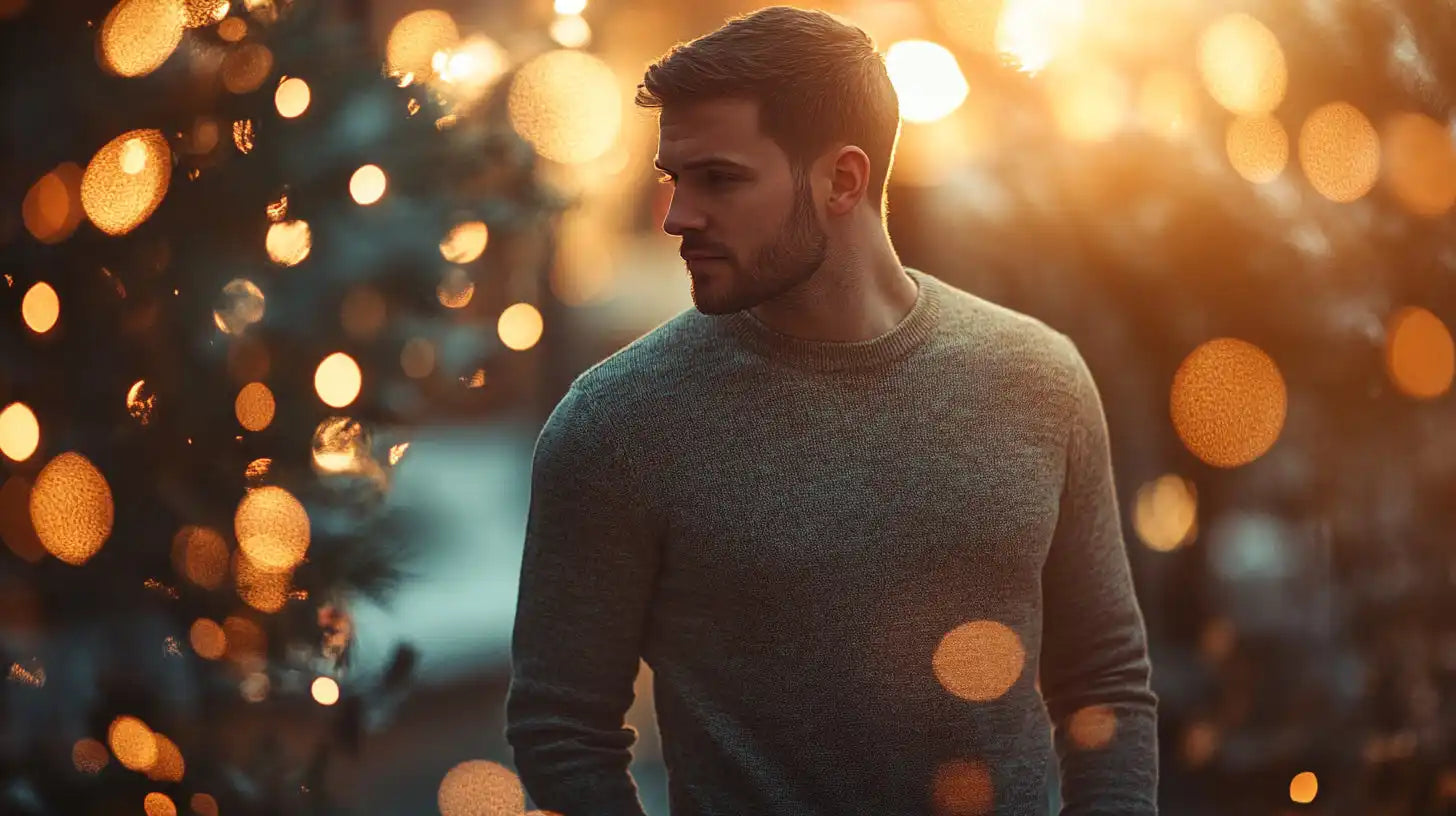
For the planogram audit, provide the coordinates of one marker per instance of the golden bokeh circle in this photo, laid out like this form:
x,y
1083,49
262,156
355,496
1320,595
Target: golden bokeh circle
x,y
89,755
1165,515
479,787
52,208
292,98
204,804
289,242
126,180
455,289
16,529
1420,163
1242,65
159,804
263,588
1093,727
246,68
368,184
465,242
325,691
1420,357
520,326
40,308
338,380
567,105
138,36
1228,402
272,529
1339,152
169,766
71,508
254,406
416,38
1258,148
962,787
241,305
133,743
200,554
979,660
1303,787
208,639
19,431
246,641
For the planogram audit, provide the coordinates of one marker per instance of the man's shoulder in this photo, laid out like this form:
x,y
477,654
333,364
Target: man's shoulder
x,y
991,329
646,365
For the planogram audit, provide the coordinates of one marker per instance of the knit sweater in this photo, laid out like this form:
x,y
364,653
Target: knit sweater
x,y
875,577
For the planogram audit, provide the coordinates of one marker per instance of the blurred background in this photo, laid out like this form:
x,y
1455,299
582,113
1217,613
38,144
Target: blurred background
x,y
289,287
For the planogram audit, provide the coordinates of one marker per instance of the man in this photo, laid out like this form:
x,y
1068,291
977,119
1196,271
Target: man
x,y
857,521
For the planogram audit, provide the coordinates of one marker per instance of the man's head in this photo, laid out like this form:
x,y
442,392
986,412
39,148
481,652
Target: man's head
x,y
778,131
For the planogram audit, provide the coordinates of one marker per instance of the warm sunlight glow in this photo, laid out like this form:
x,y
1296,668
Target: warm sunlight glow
x,y
338,380
927,79
19,431
367,184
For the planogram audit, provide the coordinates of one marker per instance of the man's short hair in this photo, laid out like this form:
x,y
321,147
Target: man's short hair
x,y
818,82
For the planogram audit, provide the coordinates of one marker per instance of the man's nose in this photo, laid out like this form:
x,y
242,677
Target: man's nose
x,y
682,218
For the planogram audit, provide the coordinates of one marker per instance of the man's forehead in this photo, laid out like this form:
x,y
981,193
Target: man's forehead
x,y
725,129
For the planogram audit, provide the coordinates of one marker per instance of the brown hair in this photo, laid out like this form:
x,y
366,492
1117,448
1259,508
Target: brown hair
x,y
818,82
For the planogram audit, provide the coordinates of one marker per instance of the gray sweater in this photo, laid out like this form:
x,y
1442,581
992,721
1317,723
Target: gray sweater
x,y
869,577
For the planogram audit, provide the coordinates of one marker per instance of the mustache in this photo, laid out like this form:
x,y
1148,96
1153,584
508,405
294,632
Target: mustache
x,y
700,247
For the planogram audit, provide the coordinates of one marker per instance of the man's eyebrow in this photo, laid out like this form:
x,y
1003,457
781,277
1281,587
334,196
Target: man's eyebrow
x,y
714,161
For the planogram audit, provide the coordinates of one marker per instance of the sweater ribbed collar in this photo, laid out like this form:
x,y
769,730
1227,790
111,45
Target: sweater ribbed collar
x,y
822,355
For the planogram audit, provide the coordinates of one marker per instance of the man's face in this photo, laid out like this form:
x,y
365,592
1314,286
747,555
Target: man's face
x,y
735,198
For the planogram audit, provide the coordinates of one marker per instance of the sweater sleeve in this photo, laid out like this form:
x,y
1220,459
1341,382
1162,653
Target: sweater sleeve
x,y
1095,671
587,574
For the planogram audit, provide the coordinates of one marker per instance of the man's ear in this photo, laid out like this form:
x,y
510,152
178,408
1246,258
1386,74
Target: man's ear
x,y
849,174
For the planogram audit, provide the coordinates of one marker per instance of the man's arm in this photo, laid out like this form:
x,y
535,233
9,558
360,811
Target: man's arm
x,y
587,575
1095,672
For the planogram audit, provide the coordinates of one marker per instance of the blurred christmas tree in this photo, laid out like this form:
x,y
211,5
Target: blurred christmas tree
x,y
241,252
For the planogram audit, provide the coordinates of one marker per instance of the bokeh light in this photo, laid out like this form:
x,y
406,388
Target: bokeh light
x,y
119,191
568,6
137,36
133,743
1339,152
570,31
71,508
962,787
205,12
416,38
367,185
1258,148
232,29
200,554
247,643
417,359
479,787
265,590
567,105
1303,787
520,326
1243,65
1165,515
341,445
465,243
243,135
1089,98
927,79
203,804
1093,727
254,406
292,98
169,766
979,660
1419,355
456,289
89,755
40,308
464,73
208,639
325,691
16,529
289,242
1032,32
1228,402
159,804
1420,163
257,471
338,380
272,528
246,67
140,402
240,305
19,431
52,208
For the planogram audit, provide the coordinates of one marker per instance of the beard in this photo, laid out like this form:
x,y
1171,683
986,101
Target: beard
x,y
788,261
